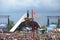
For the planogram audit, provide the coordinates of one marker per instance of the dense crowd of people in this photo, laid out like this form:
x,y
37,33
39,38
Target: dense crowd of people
x,y
28,36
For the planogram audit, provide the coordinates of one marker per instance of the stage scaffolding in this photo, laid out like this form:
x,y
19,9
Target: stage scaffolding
x,y
4,19
49,17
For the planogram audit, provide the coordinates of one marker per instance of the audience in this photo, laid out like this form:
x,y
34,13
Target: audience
x,y
28,36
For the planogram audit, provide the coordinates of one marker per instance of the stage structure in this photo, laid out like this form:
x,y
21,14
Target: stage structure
x,y
27,24
52,17
4,21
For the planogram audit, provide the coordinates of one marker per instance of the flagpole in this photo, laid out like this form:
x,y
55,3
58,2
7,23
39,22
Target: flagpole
x,y
32,26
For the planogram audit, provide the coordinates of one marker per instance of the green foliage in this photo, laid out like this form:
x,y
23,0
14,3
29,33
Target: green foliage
x,y
59,26
10,25
54,23
44,27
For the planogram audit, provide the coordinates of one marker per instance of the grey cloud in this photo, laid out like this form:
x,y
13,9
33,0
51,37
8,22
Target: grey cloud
x,y
48,5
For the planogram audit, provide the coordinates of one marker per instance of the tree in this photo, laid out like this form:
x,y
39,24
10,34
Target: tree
x,y
10,25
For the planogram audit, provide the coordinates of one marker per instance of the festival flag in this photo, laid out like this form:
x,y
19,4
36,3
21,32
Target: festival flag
x,y
33,34
33,12
36,16
33,15
32,19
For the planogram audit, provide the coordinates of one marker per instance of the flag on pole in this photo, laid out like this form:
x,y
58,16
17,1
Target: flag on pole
x,y
33,28
33,38
32,19
35,15
33,12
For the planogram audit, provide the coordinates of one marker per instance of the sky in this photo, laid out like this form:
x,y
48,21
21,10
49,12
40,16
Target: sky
x,y
22,5
16,8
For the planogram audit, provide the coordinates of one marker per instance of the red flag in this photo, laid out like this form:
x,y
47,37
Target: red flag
x,y
33,19
33,12
33,25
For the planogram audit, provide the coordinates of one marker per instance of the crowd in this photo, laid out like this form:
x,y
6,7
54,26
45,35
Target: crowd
x,y
28,36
